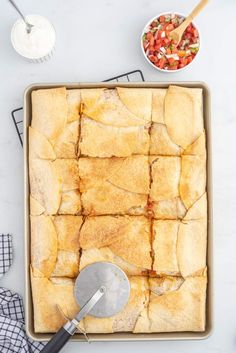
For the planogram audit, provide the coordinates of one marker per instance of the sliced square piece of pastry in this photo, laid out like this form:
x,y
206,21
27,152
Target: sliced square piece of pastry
x,y
54,187
123,107
114,185
177,304
165,173
179,247
192,239
102,140
45,187
53,301
115,122
164,200
183,115
161,143
165,238
55,118
198,147
123,240
55,245
193,178
126,319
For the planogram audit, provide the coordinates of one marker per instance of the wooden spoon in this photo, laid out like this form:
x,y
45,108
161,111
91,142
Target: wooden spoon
x,y
177,33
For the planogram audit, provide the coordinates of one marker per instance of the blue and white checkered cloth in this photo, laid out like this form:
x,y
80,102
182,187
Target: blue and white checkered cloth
x,y
13,338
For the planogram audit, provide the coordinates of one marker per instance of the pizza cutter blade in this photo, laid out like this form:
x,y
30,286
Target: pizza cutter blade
x,y
101,290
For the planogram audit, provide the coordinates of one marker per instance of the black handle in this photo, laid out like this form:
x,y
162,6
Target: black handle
x,y
57,341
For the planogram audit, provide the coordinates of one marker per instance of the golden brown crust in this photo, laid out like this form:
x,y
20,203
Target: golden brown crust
x,y
43,244
68,229
50,306
179,310
105,106
74,103
105,253
169,209
198,147
164,246
114,185
66,143
137,100
193,179
165,178
160,143
45,185
126,237
68,171
49,111
158,103
70,203
191,246
55,245
39,146
183,114
35,208
100,140
133,163
179,247
198,210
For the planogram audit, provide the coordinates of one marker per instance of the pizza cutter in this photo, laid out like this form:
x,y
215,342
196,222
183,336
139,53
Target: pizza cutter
x,y
101,290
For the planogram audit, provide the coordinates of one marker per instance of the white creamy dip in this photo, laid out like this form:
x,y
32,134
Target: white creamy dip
x,y
36,44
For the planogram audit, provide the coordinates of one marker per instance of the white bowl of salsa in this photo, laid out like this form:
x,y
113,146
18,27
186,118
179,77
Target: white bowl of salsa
x,y
161,51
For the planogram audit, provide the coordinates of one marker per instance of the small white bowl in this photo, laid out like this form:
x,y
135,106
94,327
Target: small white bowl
x,y
37,46
144,31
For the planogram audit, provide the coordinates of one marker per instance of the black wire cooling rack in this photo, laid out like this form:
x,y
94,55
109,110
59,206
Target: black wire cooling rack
x,y
17,114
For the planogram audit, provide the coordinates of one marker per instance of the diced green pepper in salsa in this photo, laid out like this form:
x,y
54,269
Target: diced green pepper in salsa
x,y
164,52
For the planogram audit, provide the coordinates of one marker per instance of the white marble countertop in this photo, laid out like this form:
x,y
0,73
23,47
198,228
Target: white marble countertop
x,y
97,40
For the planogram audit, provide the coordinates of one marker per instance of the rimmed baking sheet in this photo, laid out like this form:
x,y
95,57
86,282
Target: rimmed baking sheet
x,y
121,336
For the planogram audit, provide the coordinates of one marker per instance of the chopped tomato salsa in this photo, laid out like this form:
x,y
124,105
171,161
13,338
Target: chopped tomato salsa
x,y
164,52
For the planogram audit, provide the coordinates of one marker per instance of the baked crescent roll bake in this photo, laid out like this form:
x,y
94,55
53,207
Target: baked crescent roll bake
x,y
198,210
115,122
74,104
158,104
177,309
165,173
45,186
67,142
55,245
107,106
49,112
160,140
114,185
53,301
43,244
191,247
55,115
39,146
165,242
103,140
126,319
54,187
179,247
183,114
137,100
168,209
160,143
193,179
119,175
198,147
122,240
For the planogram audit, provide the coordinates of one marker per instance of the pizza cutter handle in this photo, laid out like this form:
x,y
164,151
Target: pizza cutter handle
x,y
57,342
